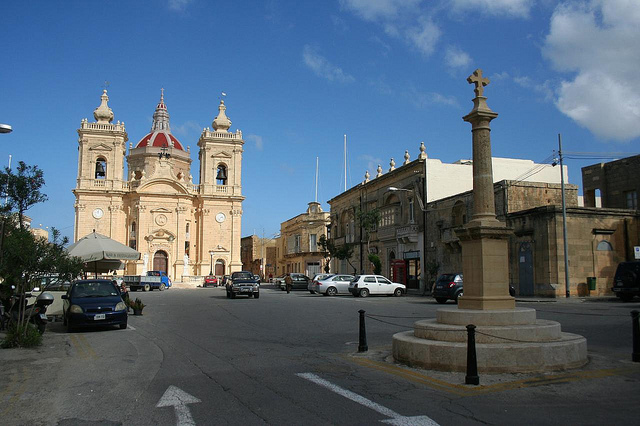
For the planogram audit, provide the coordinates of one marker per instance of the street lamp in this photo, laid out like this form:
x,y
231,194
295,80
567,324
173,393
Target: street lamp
x,y
211,262
5,128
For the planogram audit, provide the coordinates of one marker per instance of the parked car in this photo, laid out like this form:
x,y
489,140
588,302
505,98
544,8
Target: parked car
x,y
93,303
364,285
242,283
450,287
333,284
225,280
313,282
299,282
210,281
626,281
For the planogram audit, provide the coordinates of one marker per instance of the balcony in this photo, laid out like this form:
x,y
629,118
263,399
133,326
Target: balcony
x,y
407,234
387,232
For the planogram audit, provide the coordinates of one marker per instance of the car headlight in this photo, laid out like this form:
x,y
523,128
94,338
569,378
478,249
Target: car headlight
x,y
121,306
75,309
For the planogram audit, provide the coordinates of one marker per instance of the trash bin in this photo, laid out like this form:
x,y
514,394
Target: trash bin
x,y
591,282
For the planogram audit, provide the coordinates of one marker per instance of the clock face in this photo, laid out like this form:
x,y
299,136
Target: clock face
x,y
98,213
220,217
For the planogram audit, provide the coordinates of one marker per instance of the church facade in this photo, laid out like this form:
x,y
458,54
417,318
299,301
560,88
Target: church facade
x,y
152,204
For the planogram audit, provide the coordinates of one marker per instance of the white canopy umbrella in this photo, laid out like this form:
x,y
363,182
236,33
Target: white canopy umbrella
x,y
101,253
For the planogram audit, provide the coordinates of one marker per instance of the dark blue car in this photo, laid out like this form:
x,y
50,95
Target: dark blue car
x,y
90,303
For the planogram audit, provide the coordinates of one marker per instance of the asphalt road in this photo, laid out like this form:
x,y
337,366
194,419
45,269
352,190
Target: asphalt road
x,y
196,357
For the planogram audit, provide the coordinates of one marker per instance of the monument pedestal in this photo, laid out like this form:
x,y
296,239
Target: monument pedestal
x,y
507,341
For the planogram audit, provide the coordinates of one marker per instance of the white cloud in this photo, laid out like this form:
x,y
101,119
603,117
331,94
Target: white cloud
x,y
179,5
189,127
322,67
425,99
509,8
456,58
372,165
374,10
598,41
424,36
257,140
543,88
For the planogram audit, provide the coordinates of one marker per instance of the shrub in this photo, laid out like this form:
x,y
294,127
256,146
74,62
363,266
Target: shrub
x,y
19,337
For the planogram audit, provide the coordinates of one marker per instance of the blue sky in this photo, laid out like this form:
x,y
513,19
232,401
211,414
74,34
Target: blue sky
x,y
301,74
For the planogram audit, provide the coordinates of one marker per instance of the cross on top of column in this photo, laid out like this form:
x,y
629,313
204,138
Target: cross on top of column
x,y
480,81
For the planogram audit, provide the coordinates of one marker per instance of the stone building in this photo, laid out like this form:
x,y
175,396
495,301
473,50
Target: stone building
x,y
398,195
618,183
258,255
152,204
297,249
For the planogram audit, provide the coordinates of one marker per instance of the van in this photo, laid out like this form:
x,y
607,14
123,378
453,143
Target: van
x,y
626,282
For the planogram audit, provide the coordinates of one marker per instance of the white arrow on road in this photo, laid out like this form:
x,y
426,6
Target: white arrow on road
x,y
395,418
178,399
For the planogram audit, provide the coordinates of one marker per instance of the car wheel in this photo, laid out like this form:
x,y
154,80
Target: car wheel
x,y
397,292
457,296
626,297
146,287
364,292
161,288
123,326
332,291
256,295
441,299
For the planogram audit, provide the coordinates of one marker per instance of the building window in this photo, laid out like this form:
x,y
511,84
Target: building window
x,y
297,243
101,168
388,216
412,217
132,236
632,200
221,175
313,242
187,244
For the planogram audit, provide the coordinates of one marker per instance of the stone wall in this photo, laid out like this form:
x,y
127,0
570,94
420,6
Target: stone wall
x,y
614,180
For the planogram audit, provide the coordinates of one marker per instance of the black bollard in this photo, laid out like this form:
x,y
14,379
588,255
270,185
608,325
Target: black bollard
x,y
472,362
635,356
362,345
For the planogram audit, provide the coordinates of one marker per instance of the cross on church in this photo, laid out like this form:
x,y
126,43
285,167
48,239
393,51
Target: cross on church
x,y
480,81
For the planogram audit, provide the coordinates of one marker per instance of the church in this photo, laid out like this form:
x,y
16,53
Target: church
x,y
152,204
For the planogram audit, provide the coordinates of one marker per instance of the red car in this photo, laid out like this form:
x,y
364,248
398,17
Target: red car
x,y
210,280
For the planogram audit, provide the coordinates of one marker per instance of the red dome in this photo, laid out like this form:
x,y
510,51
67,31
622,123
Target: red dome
x,y
160,139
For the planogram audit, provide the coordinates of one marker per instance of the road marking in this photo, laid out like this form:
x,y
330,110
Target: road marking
x,y
395,418
131,327
178,399
82,346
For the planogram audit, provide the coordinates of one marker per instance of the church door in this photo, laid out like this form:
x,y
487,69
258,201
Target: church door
x,y
219,268
161,261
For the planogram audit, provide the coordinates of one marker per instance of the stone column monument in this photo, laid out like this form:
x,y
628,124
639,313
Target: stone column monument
x,y
509,339
485,260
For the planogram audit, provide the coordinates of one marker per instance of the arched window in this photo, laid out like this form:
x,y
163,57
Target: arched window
x,y
221,175
132,236
101,168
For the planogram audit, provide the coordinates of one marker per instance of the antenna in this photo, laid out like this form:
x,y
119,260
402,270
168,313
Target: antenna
x,y
316,179
345,163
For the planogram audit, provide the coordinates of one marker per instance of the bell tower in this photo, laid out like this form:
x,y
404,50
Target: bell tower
x,y
220,192
99,185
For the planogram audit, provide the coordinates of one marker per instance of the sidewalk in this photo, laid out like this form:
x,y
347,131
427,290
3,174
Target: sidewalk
x,y
535,299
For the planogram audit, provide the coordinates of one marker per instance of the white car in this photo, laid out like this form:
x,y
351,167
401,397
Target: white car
x,y
364,285
330,285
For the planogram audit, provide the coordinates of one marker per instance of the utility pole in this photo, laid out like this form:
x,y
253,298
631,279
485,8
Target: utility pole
x,y
564,221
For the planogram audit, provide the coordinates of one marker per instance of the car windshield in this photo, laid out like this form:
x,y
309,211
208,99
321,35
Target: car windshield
x,y
94,289
242,275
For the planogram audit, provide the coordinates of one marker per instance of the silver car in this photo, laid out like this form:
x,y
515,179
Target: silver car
x,y
333,284
314,282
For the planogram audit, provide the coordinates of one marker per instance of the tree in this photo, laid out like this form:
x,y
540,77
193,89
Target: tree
x,y
22,190
25,258
368,222
331,251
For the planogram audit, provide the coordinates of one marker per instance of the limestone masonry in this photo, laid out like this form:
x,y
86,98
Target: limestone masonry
x,y
179,227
